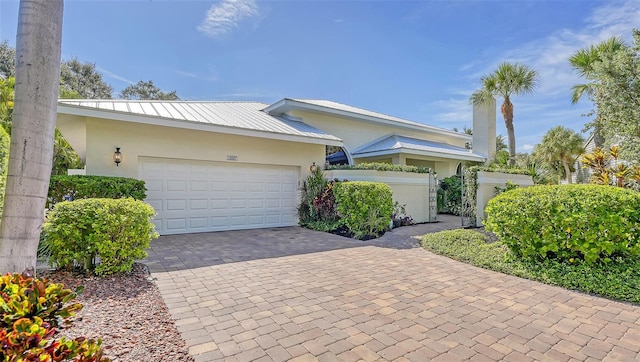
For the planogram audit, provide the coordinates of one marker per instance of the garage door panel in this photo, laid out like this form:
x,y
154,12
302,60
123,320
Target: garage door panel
x,y
195,196
198,204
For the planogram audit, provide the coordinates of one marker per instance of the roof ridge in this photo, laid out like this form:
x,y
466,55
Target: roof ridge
x,y
150,101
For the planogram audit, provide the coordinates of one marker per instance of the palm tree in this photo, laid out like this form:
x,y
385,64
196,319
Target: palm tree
x,y
34,114
583,61
560,145
508,80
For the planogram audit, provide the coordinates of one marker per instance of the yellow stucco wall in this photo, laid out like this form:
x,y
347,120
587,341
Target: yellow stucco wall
x,y
139,140
355,133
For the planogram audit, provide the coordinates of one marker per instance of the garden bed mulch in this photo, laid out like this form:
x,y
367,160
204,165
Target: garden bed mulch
x,y
128,313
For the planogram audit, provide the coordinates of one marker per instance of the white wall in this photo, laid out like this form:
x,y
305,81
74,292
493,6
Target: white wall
x,y
408,188
487,182
139,140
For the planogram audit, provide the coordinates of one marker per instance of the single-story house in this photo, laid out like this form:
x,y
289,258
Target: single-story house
x,y
211,166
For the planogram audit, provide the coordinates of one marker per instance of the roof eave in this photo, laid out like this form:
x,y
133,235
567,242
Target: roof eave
x,y
186,124
455,156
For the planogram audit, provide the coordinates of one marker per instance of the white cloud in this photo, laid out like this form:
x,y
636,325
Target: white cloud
x,y
210,78
224,16
527,147
114,76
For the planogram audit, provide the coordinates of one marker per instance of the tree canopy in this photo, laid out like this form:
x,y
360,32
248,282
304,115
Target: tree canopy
x,y
147,91
84,79
7,60
618,98
559,147
508,80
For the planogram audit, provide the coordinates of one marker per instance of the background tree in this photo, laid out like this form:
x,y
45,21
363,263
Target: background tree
x,y
618,98
560,146
36,94
6,100
7,60
84,79
508,80
583,62
147,91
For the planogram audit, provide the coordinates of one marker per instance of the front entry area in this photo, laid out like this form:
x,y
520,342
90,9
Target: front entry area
x,y
199,196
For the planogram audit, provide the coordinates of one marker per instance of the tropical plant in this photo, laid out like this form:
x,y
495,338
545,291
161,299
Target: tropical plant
x,y
38,48
607,168
583,61
560,145
617,100
508,80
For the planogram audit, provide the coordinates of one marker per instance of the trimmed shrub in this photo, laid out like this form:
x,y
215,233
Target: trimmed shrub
x,y
380,166
117,231
83,187
32,309
568,222
365,207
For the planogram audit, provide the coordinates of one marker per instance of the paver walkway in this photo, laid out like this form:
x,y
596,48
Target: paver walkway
x,y
294,294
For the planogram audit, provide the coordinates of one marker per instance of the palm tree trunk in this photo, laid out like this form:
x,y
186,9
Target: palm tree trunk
x,y
507,113
38,47
567,170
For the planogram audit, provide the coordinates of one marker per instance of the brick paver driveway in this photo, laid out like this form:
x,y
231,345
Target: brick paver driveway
x,y
293,294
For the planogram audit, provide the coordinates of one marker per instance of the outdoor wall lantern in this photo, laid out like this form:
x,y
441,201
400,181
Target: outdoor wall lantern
x,y
313,167
117,156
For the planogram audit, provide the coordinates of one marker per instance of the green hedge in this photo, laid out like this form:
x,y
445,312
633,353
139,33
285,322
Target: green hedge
x,y
568,222
380,166
84,187
5,142
117,231
365,207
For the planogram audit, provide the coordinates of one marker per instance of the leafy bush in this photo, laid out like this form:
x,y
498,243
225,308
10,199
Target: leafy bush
x,y
83,187
365,207
32,309
380,166
312,187
568,222
619,279
115,230
450,194
26,297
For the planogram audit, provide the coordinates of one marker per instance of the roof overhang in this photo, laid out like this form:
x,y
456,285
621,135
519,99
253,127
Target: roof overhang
x,y
408,151
286,105
191,125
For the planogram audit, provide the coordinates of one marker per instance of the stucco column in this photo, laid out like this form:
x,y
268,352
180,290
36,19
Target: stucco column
x,y
484,129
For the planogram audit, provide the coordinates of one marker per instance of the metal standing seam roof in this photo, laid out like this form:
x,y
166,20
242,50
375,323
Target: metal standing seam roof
x,y
243,115
364,112
396,142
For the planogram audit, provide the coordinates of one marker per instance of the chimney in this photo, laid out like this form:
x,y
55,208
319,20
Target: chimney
x,y
484,129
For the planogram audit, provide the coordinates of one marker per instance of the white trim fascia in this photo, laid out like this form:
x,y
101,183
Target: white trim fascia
x,y
286,104
191,125
469,157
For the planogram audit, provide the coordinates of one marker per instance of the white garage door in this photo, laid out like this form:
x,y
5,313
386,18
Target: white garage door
x,y
198,196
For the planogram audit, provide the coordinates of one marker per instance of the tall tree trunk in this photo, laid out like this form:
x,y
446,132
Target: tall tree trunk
x,y
507,113
38,47
567,170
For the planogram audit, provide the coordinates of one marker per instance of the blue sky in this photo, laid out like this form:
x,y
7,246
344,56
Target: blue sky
x,y
418,60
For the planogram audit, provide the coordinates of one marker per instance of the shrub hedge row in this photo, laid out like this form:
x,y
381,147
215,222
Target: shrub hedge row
x,y
568,222
117,231
84,187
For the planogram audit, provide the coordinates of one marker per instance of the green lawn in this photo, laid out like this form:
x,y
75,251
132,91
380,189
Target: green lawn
x,y
619,280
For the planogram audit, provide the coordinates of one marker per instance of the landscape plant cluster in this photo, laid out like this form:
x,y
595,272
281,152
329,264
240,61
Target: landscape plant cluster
x,y
593,223
358,209
32,311
103,230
